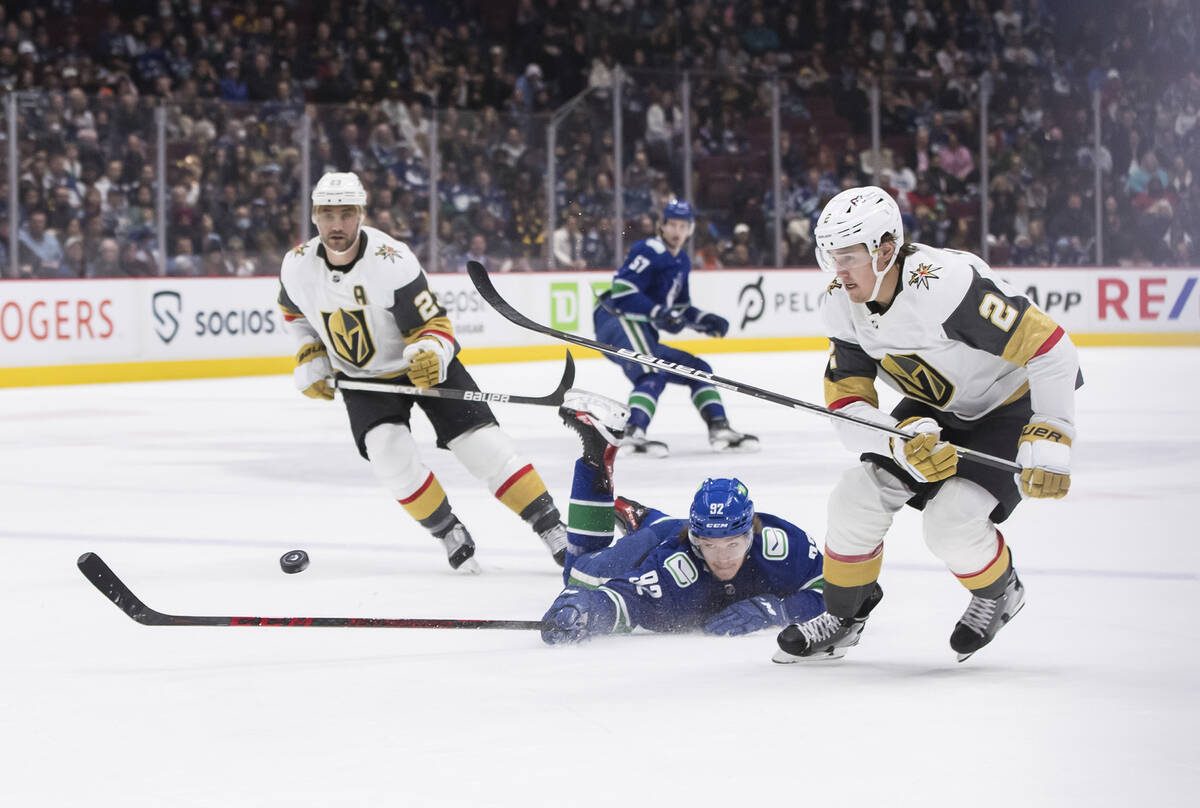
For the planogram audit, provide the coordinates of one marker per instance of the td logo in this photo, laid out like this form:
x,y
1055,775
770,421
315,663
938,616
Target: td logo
x,y
564,306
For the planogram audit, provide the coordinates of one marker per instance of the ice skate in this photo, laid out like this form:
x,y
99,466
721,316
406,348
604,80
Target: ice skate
x,y
629,514
636,443
724,439
984,618
599,421
555,539
824,637
460,549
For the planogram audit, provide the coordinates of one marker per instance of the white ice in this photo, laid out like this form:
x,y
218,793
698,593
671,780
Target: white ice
x,y
192,490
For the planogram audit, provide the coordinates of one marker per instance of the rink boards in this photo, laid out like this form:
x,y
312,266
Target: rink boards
x,y
84,331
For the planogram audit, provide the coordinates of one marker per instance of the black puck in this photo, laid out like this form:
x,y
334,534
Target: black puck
x,y
293,561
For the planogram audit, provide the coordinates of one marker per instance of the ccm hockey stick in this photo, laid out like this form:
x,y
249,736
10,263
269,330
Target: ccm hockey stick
x,y
550,400
113,588
479,277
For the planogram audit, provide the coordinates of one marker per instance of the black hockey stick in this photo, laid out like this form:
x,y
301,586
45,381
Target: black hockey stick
x,y
113,588
483,283
550,400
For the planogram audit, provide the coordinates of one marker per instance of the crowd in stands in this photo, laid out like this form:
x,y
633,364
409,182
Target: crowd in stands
x,y
383,83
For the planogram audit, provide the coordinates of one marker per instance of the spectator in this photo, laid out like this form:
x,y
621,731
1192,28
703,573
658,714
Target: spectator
x,y
568,244
107,263
40,251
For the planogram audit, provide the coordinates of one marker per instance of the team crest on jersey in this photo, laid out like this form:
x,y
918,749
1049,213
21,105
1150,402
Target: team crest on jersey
x,y
299,249
833,286
349,335
918,379
922,275
390,253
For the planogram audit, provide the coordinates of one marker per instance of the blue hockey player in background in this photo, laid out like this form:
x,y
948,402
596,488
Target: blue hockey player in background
x,y
650,294
725,570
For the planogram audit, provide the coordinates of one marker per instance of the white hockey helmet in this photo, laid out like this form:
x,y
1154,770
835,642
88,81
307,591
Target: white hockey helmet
x,y
339,188
859,216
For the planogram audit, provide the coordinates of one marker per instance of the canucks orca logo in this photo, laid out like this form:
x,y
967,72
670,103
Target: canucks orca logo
x,y
918,379
349,335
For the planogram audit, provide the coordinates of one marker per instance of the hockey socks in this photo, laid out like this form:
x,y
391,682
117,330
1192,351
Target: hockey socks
x,y
590,518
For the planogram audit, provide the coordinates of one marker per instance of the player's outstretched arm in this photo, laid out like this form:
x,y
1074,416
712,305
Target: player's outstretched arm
x,y
579,614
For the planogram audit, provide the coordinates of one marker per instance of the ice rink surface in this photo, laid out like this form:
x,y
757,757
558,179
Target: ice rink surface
x,y
192,490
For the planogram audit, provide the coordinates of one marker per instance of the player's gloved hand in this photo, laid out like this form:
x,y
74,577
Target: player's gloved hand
x,y
577,614
714,325
669,319
923,456
313,373
751,614
428,362
1044,455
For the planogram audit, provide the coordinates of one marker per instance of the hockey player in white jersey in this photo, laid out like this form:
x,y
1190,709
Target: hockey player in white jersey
x,y
978,365
358,305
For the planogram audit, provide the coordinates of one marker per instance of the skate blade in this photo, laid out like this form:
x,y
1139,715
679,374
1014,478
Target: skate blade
x,y
784,658
1007,620
648,450
469,567
747,445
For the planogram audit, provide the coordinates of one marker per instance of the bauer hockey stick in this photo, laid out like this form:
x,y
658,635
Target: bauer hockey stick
x,y
483,283
550,400
113,588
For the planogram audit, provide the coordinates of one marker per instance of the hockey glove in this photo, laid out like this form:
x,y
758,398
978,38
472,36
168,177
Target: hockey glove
x,y
745,616
577,614
667,319
428,362
313,373
1044,455
713,325
923,456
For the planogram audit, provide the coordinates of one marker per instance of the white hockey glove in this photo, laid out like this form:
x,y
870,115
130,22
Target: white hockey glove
x,y
428,362
924,457
1044,455
313,373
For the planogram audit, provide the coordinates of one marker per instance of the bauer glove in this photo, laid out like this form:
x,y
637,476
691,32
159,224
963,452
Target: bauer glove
x,y
428,362
745,616
923,456
313,374
577,614
1044,455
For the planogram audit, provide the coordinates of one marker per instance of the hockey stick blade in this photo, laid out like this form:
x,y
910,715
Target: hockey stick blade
x,y
113,588
487,290
553,399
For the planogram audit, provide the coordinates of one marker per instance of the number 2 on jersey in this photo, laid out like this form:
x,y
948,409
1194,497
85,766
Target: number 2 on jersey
x,y
426,305
1000,313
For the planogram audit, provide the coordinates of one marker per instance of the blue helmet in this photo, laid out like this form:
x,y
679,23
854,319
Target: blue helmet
x,y
678,209
721,508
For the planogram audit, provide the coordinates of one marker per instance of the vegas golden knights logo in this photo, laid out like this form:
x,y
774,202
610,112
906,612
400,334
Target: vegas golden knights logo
x,y
349,335
918,379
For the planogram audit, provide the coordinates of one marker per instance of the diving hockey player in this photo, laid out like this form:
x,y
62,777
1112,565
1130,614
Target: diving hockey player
x,y
359,306
978,365
725,569
650,294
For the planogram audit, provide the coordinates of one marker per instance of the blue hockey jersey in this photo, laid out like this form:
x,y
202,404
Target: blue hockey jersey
x,y
650,277
661,584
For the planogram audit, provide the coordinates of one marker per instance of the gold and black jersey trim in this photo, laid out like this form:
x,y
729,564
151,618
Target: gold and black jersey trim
x,y
849,375
987,318
1034,334
290,310
414,304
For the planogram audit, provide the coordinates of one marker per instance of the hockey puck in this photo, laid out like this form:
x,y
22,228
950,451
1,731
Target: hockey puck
x,y
293,561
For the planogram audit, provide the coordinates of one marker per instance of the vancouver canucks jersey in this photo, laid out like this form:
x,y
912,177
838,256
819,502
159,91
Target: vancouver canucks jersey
x,y
650,277
366,312
658,581
955,336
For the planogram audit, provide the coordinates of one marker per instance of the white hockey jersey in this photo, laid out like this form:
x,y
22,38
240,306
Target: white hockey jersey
x,y
364,313
956,337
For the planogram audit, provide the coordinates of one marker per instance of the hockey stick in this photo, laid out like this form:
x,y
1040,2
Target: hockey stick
x,y
487,290
550,400
113,588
